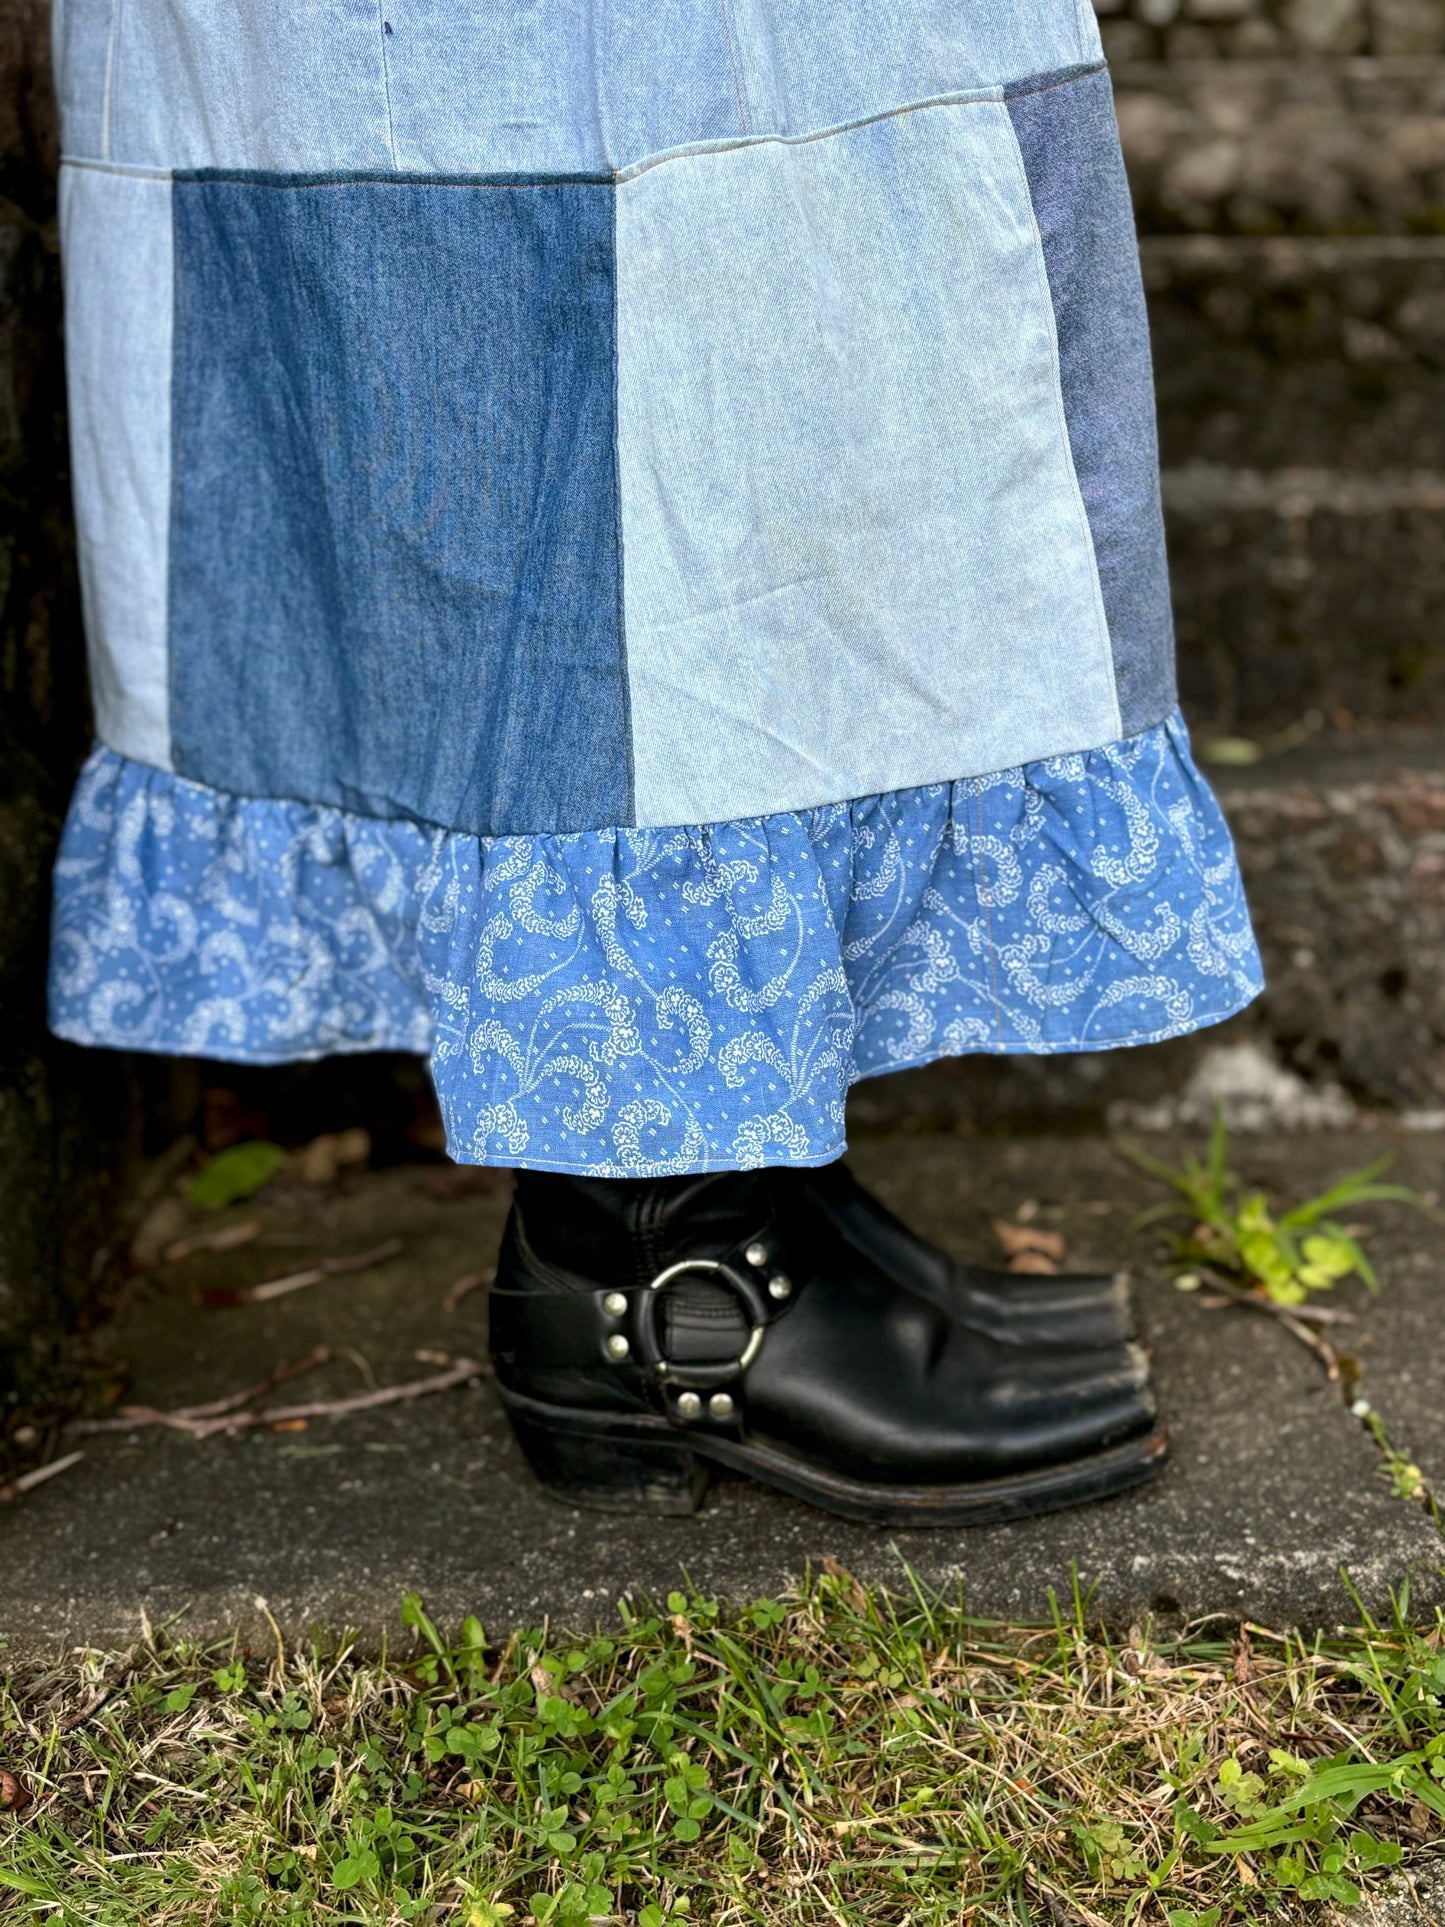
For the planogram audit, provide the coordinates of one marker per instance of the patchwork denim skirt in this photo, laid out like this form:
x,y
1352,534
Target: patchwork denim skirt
x,y
621,549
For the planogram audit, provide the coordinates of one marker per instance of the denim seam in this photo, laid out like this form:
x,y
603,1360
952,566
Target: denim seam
x,y
178,377
296,183
127,170
106,112
605,829
619,176
1046,294
968,97
734,65
629,781
1045,83
386,81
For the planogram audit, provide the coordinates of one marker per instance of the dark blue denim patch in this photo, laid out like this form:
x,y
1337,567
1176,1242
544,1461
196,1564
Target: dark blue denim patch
x,y
394,572
1070,144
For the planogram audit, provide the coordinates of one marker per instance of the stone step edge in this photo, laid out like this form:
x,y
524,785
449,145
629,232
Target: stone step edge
x,y
1308,251
1213,489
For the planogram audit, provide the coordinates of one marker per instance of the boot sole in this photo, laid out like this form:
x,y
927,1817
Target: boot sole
x,y
624,1462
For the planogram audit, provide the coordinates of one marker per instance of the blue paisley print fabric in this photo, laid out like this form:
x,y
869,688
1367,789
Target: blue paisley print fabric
x,y
635,1002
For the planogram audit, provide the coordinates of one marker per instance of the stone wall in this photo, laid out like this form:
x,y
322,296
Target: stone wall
x,y
63,1113
1254,29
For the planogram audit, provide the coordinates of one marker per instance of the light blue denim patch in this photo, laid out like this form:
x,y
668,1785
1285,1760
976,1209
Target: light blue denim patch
x,y
555,87
200,83
394,563
633,1001
518,85
805,65
856,554
116,232
1070,144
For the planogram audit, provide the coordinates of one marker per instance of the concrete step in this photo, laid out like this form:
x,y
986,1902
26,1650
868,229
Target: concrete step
x,y
1299,351
1273,1486
1300,589
1342,844
1322,146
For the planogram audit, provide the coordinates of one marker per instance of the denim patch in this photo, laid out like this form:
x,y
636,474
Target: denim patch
x,y
530,85
856,555
394,556
1070,146
538,88
116,230
806,65
268,84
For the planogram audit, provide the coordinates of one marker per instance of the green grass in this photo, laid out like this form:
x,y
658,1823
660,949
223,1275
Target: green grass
x,y
841,1756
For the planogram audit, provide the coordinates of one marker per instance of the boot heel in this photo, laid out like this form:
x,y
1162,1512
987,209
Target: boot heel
x,y
612,1474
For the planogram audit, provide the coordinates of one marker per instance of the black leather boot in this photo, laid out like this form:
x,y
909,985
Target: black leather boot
x,y
644,1331
1065,1309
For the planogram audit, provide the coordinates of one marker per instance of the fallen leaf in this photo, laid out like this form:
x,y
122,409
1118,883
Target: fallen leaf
x,y
1033,1261
237,1173
470,1282
15,1796
1019,1238
857,1598
322,1160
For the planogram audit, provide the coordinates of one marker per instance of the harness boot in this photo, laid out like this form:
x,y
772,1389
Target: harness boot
x,y
1062,1309
646,1332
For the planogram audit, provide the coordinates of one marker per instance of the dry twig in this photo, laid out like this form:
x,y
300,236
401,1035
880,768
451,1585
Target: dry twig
x,y
184,1419
471,1281
1256,1301
202,1420
299,1280
28,1481
229,1238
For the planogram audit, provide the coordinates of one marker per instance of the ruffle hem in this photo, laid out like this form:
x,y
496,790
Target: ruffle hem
x,y
634,1002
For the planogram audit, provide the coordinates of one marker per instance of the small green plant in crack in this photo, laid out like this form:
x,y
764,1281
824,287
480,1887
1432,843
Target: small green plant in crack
x,y
1231,1233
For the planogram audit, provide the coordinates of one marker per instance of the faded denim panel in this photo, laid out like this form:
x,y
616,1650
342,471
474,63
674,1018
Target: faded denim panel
x,y
116,236
554,86
81,38
856,555
394,577
813,64
199,83
569,85
1070,145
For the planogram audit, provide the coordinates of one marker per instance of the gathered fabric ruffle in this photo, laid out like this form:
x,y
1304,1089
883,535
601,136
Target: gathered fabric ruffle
x,y
632,1002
